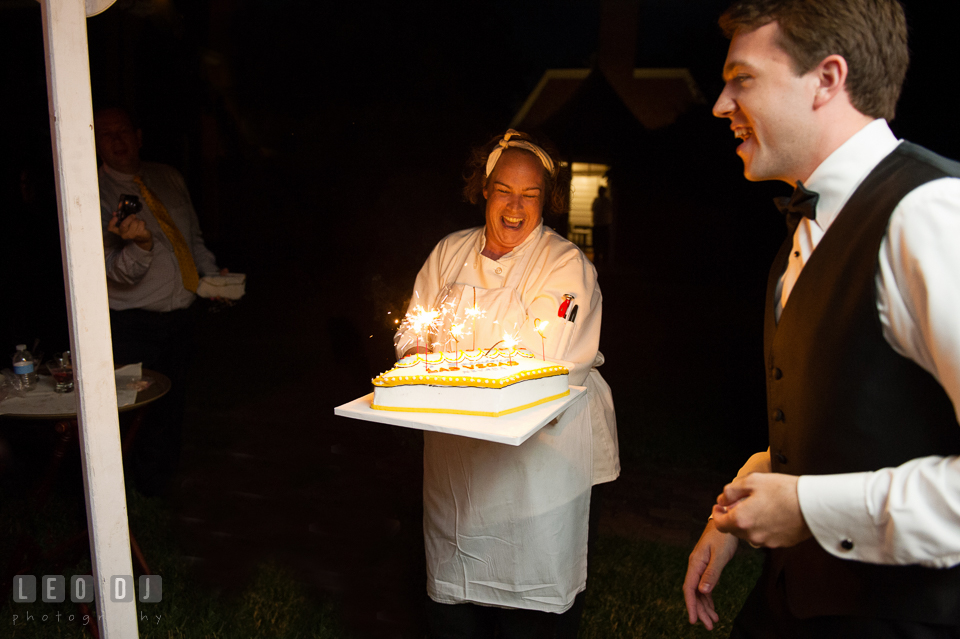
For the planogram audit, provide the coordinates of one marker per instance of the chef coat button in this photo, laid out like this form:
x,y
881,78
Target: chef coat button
x,y
847,544
499,270
781,458
777,373
778,415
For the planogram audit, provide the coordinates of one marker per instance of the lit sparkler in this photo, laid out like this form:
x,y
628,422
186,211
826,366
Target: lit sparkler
x,y
541,327
473,312
423,320
510,342
456,331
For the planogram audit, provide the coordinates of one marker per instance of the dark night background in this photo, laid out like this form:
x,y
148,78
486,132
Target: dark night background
x,y
323,144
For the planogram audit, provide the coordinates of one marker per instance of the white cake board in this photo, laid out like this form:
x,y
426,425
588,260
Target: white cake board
x,y
513,429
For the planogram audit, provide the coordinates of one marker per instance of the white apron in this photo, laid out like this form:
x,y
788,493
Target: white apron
x,y
507,525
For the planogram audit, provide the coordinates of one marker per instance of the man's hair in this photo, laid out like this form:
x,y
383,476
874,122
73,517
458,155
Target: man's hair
x,y
871,35
556,198
131,115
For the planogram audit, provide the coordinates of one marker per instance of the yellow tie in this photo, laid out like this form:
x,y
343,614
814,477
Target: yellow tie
x,y
188,270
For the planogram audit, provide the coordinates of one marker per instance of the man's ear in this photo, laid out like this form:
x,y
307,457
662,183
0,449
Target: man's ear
x,y
832,78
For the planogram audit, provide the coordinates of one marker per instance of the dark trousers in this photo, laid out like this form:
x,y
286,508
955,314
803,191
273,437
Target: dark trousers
x,y
765,615
471,621
163,342
601,243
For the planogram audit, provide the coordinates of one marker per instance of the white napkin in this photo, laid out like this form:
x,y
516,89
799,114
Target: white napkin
x,y
127,376
231,286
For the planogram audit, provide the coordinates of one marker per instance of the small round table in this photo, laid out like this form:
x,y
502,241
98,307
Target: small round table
x,y
66,428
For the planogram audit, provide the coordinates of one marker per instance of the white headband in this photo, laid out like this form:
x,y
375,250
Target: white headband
x,y
507,143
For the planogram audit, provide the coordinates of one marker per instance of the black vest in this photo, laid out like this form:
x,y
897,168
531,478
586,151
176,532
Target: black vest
x,y
841,400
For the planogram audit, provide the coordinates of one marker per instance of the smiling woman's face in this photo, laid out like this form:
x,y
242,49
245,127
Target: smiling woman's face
x,y
514,194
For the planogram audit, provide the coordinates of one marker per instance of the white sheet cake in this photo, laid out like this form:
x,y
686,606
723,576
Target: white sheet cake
x,y
487,383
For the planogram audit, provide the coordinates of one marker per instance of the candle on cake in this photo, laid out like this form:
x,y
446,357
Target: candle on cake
x,y
541,327
473,312
510,342
423,320
456,331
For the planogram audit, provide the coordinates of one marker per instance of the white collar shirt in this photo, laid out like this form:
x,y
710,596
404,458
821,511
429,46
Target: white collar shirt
x,y
909,514
150,280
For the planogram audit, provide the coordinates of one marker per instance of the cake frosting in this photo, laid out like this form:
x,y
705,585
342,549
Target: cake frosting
x,y
488,383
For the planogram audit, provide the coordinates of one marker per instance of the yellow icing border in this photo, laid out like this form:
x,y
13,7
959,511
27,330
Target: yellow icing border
x,y
478,413
465,380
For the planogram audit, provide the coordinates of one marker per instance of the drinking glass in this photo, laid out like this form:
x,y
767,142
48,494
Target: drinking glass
x,y
61,367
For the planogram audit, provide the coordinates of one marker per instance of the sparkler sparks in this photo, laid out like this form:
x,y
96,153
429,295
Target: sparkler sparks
x,y
541,327
456,331
510,341
422,320
473,312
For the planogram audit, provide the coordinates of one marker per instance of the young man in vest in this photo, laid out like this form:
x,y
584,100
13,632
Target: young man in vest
x,y
858,496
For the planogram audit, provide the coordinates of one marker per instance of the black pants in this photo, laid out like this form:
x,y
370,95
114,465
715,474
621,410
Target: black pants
x,y
765,615
601,243
470,621
164,342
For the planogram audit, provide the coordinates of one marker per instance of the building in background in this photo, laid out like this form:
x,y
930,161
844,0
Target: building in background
x,y
598,116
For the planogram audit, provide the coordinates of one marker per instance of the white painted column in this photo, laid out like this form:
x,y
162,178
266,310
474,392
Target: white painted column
x,y
78,198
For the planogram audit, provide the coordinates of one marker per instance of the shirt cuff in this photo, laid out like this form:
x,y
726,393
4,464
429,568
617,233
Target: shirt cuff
x,y
835,509
137,254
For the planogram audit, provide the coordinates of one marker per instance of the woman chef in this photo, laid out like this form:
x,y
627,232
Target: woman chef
x,y
505,527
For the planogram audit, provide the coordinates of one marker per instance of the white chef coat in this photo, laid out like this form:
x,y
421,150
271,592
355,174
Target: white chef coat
x,y
503,525
909,514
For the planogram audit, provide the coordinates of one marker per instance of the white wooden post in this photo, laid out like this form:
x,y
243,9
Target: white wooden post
x,y
78,198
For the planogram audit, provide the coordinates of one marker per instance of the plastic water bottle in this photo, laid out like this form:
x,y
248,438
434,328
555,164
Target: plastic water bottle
x,y
23,367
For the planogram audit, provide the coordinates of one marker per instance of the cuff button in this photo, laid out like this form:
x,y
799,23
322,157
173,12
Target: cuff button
x,y
847,544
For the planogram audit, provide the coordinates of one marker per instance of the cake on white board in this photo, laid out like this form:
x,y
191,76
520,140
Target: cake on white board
x,y
489,383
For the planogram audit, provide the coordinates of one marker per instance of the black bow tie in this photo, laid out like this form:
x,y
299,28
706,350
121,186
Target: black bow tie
x,y
802,203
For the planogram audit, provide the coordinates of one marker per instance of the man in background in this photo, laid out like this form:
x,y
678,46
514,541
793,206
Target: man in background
x,y
154,260
857,499
602,209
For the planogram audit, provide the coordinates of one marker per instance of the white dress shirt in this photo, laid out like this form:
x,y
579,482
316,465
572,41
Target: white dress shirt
x,y
150,280
909,514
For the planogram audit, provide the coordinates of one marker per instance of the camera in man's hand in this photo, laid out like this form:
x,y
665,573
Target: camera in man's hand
x,y
128,205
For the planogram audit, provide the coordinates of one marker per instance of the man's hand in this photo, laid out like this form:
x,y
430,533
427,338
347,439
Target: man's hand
x,y
706,562
762,508
132,229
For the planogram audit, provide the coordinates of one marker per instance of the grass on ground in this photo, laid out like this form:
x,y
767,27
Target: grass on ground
x,y
634,591
634,587
272,606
